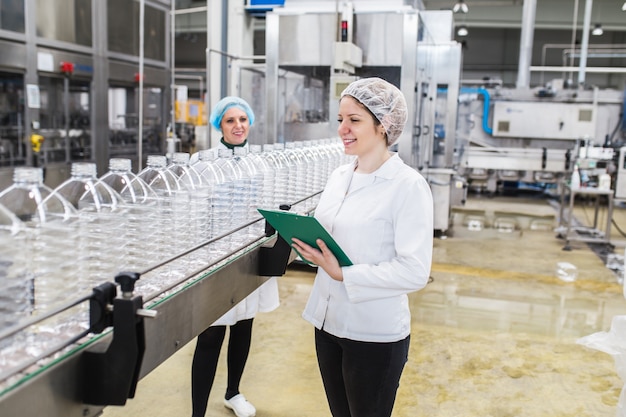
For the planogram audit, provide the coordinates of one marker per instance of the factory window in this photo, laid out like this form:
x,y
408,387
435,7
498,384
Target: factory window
x,y
65,20
12,15
65,120
12,150
585,115
124,121
123,29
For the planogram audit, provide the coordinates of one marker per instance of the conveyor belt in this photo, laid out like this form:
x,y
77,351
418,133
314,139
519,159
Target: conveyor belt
x,y
59,385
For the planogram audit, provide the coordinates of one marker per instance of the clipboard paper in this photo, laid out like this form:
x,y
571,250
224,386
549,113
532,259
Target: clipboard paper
x,y
305,228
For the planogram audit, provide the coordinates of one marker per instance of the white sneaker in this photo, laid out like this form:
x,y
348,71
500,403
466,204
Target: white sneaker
x,y
240,406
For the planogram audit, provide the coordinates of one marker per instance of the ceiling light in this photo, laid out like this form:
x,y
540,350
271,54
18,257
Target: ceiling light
x,y
461,7
462,31
624,7
597,30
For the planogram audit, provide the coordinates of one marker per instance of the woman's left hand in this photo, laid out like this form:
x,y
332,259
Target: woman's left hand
x,y
321,257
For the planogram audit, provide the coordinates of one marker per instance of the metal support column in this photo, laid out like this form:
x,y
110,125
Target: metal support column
x,y
526,43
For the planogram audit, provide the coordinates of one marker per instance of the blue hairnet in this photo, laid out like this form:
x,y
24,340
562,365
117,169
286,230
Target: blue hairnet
x,y
226,103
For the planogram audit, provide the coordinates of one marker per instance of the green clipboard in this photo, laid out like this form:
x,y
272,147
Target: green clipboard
x,y
305,228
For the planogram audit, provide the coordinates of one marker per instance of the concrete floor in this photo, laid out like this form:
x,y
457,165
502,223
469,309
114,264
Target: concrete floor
x,y
494,335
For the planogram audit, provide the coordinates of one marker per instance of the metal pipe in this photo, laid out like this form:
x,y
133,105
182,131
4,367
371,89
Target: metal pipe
x,y
239,57
173,70
186,69
547,46
481,81
224,47
193,77
189,10
271,77
600,70
585,43
599,54
66,115
574,24
142,10
526,43
207,75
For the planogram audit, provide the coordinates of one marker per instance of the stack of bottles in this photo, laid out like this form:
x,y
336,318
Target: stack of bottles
x,y
59,243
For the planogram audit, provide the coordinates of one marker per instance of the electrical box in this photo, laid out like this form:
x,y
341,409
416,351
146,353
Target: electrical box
x,y
338,83
348,57
260,7
540,120
190,111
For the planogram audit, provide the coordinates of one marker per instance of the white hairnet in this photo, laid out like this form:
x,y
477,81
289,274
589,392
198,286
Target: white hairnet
x,y
226,103
384,100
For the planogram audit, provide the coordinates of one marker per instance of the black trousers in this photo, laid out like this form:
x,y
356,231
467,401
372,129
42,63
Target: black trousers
x,y
205,359
360,378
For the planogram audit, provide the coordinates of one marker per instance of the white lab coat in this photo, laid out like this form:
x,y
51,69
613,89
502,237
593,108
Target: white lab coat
x,y
386,229
263,299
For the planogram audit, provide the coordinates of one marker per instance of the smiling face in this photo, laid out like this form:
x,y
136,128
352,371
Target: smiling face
x,y
235,126
359,130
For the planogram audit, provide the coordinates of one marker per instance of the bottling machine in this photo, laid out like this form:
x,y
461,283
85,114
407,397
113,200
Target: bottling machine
x,y
533,135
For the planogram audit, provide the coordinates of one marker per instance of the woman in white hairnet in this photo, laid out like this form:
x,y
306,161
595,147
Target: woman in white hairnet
x,y
380,211
233,117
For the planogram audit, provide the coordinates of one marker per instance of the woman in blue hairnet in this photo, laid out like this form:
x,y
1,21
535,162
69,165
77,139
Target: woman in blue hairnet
x,y
380,211
233,117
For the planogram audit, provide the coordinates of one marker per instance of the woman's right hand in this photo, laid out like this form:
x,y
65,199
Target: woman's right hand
x,y
321,257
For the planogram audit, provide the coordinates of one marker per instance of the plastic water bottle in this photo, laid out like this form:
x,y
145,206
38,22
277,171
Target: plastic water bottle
x,y
281,175
298,170
139,202
288,170
165,184
15,282
165,242
327,160
225,216
338,155
129,186
162,181
205,166
315,180
49,235
248,190
100,224
212,176
181,199
84,191
267,178
188,177
187,201
34,202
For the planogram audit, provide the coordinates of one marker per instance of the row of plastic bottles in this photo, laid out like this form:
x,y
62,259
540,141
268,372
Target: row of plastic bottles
x,y
60,243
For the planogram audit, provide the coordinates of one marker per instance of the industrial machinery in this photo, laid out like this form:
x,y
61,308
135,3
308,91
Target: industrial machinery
x,y
60,61
533,135
411,48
